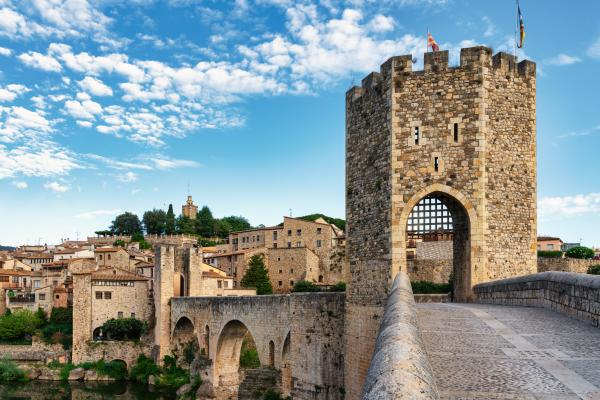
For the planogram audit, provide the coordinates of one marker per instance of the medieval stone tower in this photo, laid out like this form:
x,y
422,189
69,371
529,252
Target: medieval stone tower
x,y
460,139
189,209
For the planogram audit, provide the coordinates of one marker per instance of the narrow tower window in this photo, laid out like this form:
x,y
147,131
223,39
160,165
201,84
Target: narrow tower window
x,y
417,134
436,164
455,133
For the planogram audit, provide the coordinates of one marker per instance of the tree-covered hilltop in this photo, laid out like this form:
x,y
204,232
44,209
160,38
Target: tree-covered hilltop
x,y
159,222
340,223
7,248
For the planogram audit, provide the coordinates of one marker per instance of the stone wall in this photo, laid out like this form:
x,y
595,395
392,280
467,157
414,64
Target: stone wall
x,y
127,351
572,294
565,264
400,368
437,271
317,345
440,250
37,351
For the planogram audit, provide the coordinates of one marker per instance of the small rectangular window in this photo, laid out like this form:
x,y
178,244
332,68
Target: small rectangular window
x,y
274,245
108,295
281,271
120,314
417,134
455,133
289,245
98,295
219,284
280,283
318,231
291,283
436,164
291,270
298,232
275,235
42,296
289,232
318,243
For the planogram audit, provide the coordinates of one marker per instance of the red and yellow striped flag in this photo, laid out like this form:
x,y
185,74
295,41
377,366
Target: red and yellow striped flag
x,y
432,43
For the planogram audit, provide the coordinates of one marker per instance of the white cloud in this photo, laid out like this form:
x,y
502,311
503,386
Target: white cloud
x,y
56,187
381,23
82,110
490,28
97,213
14,25
584,132
5,52
20,185
43,161
40,61
95,86
570,205
85,124
594,50
128,177
163,163
10,92
563,59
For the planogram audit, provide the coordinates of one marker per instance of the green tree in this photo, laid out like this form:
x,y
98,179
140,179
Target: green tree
x,y
155,222
237,223
138,237
222,228
185,225
205,223
170,221
124,328
580,252
126,224
18,324
256,276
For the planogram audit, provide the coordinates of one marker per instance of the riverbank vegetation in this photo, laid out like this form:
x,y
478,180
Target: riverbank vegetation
x,y
20,326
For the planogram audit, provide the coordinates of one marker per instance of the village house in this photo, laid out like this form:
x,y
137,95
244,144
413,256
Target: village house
x,y
294,251
549,243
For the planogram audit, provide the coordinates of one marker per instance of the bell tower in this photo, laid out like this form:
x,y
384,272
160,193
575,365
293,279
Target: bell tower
x,y
189,209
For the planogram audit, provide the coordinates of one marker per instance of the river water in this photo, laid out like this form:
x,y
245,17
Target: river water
x,y
38,390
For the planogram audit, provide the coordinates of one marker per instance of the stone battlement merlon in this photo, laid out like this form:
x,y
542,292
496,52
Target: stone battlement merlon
x,y
471,58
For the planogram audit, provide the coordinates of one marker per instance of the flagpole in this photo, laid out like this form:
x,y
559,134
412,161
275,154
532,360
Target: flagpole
x,y
516,26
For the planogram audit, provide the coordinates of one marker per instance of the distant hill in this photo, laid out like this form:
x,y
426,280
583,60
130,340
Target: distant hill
x,y
340,223
7,248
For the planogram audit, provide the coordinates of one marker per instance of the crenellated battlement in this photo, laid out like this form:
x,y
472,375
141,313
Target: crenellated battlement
x,y
471,59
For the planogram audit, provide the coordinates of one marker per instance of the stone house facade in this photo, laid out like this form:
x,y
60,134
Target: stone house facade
x,y
102,295
292,248
465,135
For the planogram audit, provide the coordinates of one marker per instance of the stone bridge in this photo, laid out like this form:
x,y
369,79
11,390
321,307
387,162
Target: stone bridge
x,y
536,338
300,335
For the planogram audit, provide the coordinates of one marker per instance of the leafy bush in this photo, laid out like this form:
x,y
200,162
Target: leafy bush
x,y
65,370
338,287
248,355
305,286
594,269
272,395
580,252
60,327
426,287
124,328
549,254
18,325
143,368
9,372
172,375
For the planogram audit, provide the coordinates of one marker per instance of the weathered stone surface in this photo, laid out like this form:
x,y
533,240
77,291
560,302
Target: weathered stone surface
x,y
48,374
259,381
91,375
205,391
572,294
77,374
32,372
400,367
565,264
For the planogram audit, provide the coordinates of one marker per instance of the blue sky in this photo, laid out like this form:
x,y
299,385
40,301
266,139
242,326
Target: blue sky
x,y
106,107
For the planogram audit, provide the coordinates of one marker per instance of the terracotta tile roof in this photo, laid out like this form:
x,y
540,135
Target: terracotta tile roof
x,y
546,238
116,274
211,274
12,272
107,249
144,265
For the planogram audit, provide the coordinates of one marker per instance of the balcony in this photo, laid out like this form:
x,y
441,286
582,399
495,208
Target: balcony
x,y
29,298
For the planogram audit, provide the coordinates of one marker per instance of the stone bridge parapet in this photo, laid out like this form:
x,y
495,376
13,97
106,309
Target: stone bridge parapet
x,y
572,294
400,368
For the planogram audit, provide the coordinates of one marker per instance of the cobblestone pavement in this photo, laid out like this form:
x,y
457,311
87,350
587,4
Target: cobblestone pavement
x,y
496,352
